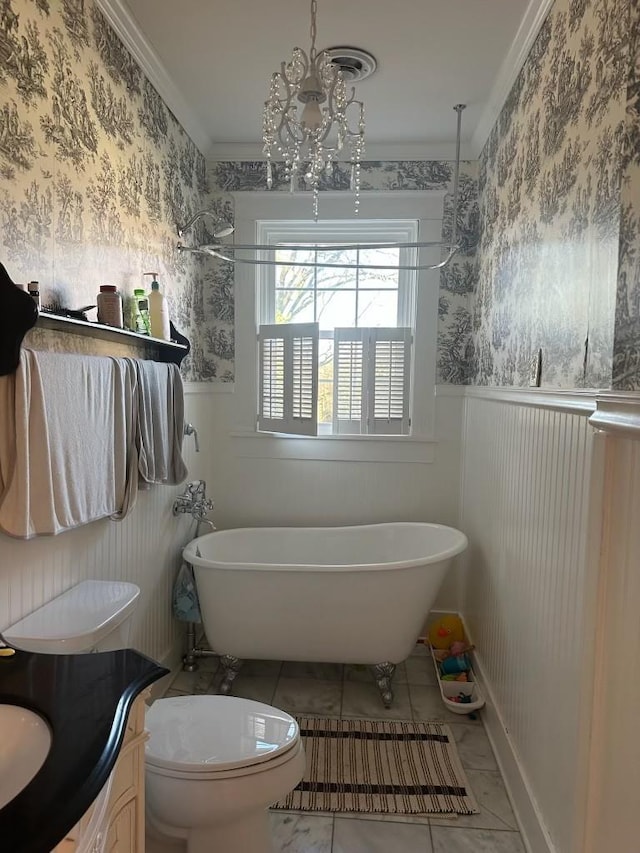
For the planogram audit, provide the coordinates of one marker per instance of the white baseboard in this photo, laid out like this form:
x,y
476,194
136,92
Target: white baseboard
x,y
534,833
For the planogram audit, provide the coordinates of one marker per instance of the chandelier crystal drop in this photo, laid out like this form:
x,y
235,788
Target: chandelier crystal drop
x,y
307,120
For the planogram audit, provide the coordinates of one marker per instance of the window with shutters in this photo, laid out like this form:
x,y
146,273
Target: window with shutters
x,y
336,329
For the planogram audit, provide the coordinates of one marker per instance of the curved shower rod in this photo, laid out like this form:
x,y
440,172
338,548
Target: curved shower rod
x,y
218,251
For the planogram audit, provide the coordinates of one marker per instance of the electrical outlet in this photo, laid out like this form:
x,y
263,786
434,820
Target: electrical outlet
x,y
535,369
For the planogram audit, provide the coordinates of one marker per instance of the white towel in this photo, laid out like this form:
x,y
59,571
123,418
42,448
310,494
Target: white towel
x,y
160,430
67,442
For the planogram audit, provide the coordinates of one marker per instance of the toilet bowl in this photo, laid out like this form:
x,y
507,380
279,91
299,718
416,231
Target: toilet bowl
x,y
213,766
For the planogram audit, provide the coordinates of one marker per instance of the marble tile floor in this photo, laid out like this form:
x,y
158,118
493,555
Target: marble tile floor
x,y
348,691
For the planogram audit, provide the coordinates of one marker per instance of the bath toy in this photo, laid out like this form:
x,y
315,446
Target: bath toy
x,y
454,665
446,630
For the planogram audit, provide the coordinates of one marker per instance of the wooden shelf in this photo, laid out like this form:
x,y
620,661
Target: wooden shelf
x,y
172,351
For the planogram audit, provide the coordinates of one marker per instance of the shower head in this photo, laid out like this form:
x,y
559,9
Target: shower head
x,y
221,228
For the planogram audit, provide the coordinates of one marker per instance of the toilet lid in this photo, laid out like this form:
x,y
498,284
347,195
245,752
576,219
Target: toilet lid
x,y
210,733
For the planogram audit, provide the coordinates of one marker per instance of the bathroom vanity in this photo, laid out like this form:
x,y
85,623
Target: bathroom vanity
x,y
94,707
115,820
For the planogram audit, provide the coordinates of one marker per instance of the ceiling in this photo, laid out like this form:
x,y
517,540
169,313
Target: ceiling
x,y
212,61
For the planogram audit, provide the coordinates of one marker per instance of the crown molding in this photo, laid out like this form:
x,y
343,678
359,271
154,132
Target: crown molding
x,y
533,18
251,152
129,32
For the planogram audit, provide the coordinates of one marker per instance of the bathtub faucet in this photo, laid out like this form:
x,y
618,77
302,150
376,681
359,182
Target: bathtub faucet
x,y
195,502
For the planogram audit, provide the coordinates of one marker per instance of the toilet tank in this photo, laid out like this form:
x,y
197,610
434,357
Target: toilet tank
x,y
93,616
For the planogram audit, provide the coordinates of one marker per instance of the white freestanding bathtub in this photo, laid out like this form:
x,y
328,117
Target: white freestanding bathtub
x,y
338,594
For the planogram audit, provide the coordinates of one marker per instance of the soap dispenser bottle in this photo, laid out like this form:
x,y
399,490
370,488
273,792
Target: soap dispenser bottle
x,y
158,310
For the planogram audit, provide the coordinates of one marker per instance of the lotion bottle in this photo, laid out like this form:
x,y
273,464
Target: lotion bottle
x,y
158,310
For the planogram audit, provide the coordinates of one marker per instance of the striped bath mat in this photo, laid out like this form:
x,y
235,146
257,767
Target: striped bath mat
x,y
380,766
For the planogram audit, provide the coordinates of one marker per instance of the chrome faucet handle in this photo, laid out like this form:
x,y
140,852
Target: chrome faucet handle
x,y
189,429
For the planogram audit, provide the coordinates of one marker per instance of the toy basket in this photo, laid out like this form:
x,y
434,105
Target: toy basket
x,y
449,690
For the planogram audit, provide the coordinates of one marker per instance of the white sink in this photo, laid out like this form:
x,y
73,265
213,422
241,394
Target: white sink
x,y
25,741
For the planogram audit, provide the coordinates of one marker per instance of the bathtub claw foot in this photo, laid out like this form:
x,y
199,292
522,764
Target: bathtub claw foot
x,y
231,666
383,673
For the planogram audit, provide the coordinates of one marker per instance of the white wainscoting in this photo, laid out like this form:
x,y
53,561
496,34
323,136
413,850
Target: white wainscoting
x,y
614,772
530,507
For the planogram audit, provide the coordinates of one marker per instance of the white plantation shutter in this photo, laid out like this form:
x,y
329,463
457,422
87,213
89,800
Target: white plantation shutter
x,y
348,365
390,368
288,378
371,381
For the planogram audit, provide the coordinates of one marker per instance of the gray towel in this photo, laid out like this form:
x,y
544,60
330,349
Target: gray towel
x,y
67,442
160,426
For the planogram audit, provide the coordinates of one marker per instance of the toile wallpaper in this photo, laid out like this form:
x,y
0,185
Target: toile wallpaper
x,y
551,211
95,171
626,352
456,282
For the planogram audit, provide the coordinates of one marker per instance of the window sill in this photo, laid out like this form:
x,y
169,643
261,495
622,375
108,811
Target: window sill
x,y
336,448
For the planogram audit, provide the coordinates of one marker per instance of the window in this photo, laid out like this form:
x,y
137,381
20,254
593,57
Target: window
x,y
336,329
274,218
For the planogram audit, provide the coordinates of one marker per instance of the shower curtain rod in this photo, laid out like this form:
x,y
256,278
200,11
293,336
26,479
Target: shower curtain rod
x,y
218,251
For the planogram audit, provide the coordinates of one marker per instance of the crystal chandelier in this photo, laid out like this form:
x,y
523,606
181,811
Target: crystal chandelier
x,y
310,142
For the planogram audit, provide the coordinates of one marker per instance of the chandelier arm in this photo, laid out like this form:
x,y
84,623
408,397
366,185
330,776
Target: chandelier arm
x,y
284,113
360,104
298,134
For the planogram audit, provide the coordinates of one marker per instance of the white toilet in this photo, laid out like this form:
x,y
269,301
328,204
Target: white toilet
x,y
213,766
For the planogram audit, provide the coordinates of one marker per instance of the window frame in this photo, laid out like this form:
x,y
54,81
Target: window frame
x,y
277,232
373,230
425,206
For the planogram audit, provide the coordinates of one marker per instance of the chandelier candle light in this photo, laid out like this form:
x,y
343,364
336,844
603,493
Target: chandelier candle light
x,y
312,141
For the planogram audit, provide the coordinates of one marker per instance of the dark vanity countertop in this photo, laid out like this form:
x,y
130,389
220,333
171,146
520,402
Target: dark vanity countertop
x,y
86,700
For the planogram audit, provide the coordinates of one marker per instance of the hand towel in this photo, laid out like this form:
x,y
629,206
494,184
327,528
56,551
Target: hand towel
x,y
67,442
160,428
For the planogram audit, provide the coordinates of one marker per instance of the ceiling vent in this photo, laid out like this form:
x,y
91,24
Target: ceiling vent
x,y
354,63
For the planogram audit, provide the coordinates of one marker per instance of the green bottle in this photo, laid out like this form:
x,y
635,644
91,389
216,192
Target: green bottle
x,y
143,326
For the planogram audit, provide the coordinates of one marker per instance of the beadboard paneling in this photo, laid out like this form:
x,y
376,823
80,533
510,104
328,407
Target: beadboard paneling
x,y
612,822
529,599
